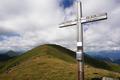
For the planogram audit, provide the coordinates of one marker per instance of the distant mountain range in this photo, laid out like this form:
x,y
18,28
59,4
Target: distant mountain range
x,y
8,55
110,56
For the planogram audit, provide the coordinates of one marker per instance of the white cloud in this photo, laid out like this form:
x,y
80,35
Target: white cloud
x,y
103,35
37,22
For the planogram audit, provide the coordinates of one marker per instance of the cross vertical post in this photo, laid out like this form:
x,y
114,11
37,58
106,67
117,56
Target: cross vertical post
x,y
80,54
79,21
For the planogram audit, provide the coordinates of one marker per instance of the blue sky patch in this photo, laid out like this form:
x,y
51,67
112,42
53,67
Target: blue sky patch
x,y
4,36
66,3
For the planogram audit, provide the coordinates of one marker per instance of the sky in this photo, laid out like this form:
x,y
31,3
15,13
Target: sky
x,y
25,24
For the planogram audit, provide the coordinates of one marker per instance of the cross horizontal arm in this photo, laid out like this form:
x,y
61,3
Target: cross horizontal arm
x,y
85,20
67,24
94,18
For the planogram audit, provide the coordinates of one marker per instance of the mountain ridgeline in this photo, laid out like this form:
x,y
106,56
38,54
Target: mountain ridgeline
x,y
53,62
4,56
105,55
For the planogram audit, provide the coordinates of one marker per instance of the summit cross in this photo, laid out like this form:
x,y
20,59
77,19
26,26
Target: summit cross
x,y
79,21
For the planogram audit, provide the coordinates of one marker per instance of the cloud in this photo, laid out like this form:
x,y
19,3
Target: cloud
x,y
34,22
102,35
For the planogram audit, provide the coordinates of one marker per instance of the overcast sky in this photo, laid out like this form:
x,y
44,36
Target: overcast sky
x,y
25,24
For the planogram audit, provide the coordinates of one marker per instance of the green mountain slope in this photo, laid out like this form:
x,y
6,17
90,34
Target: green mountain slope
x,y
101,64
52,62
42,50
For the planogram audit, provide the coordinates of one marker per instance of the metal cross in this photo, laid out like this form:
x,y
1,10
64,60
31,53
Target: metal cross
x,y
79,21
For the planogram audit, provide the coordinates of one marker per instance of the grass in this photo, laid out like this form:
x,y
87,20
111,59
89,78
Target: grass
x,y
53,62
41,68
38,51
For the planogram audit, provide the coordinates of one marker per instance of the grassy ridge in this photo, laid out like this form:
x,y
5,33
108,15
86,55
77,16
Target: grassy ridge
x,y
39,51
41,68
53,62
102,64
